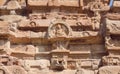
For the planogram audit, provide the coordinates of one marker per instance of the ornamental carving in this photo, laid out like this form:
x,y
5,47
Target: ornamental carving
x,y
59,36
59,30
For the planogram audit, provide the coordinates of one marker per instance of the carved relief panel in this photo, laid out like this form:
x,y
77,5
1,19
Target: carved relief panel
x,y
59,30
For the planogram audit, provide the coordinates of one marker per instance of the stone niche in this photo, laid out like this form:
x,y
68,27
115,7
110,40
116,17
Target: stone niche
x,y
112,37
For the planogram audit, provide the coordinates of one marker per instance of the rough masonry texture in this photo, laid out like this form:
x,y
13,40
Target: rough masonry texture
x,y
59,36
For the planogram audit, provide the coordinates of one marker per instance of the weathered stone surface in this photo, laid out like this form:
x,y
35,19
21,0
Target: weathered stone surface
x,y
59,36
109,70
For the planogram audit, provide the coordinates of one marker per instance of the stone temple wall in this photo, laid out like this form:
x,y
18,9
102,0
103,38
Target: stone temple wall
x,y
59,36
